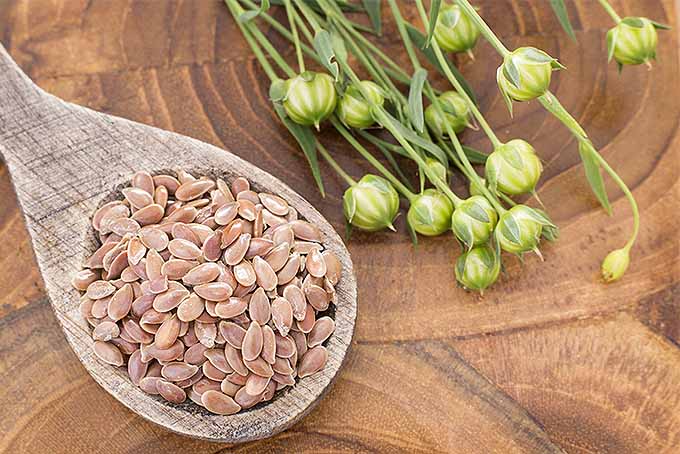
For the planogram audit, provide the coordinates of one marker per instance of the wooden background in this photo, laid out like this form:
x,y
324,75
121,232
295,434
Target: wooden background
x,y
550,360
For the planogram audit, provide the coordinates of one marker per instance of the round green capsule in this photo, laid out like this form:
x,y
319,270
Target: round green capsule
x,y
353,109
478,268
473,221
430,213
514,168
455,31
519,230
456,112
310,98
525,74
633,41
371,204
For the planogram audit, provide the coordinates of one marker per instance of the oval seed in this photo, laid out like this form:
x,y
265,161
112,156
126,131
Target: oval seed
x,y
322,330
268,344
252,342
108,353
143,180
259,307
305,231
232,333
193,189
184,249
226,213
266,278
214,291
154,238
244,273
136,368
178,371
150,214
171,392
83,279
219,403
149,385
231,308
167,333
237,250
105,331
274,203
195,354
99,289
190,308
256,384
315,264
137,197
212,249
259,366
217,359
235,360
312,361
201,274
282,315
297,301
120,303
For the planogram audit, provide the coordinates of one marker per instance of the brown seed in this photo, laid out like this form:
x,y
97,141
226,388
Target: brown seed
x,y
322,330
125,347
195,354
202,274
171,392
305,231
178,371
240,184
99,289
266,278
272,220
217,359
282,315
169,300
112,214
150,214
289,270
300,342
255,385
100,307
120,303
185,214
226,213
184,249
190,308
231,232
282,366
85,307
124,226
333,267
104,210
177,268
232,333
167,333
260,367
108,353
105,331
283,234
259,307
205,384
317,297
214,291
117,266
175,351
193,189
285,346
234,253
189,382
244,273
315,264
235,360
194,396
259,246
274,203
252,342
205,333
307,323
137,197
312,361
154,238
278,256
212,249
201,231
219,403
213,372
96,260
171,183
182,231
231,308
229,388
268,344
297,301
149,385
136,368
143,180
239,379
136,333
83,279
305,247
283,379
245,400
160,196
269,391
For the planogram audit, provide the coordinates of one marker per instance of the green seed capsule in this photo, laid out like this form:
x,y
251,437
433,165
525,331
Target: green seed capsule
x,y
615,264
435,166
353,110
455,31
474,188
371,204
473,221
430,213
310,98
633,41
519,229
525,74
456,114
478,268
514,168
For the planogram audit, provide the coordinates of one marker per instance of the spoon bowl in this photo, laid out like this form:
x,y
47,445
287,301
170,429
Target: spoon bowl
x,y
65,161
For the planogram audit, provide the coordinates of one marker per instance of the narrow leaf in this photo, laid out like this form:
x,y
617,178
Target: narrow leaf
x,y
512,73
434,14
415,99
324,48
415,139
475,156
611,43
592,169
253,13
560,10
314,5
634,22
419,40
372,8
661,26
338,46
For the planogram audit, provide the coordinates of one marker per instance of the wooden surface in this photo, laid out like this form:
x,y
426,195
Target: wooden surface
x,y
65,161
550,360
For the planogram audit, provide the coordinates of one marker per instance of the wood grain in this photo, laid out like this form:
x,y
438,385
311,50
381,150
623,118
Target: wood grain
x,y
591,368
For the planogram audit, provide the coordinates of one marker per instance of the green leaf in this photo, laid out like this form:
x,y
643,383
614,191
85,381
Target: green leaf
x,y
277,91
560,11
537,55
415,139
253,13
511,73
314,5
510,230
412,233
475,156
372,8
465,236
611,43
541,216
419,40
338,45
415,99
305,138
660,26
592,168
324,48
434,13
634,22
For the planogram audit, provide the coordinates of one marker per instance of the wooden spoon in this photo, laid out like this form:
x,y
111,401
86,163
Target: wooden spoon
x,y
65,161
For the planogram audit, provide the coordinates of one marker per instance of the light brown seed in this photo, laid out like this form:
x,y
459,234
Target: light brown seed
x,y
248,195
259,307
278,256
307,323
85,307
240,184
322,330
315,264
282,315
184,249
158,285
239,379
235,252
189,382
205,333
245,400
317,297
169,300
260,367
195,354
213,372
154,238
177,268
150,214
305,247
287,380
100,289
103,211
175,351
282,366
229,388
244,273
191,190
96,260
312,361
190,308
167,333
181,231
136,368
235,360
137,197
124,226
305,231
143,180
160,196
201,231
246,209
149,385
269,391
283,234
212,250
83,278
226,213
271,219
252,342
214,291
105,331
178,371
255,385
296,299
274,203
171,183
125,347
185,214
231,308
232,333
194,396
205,384
113,213
285,346
136,333
100,307
259,246
117,266
219,403
268,344
300,342
171,392
289,270
120,303
108,353
202,274
266,277
217,359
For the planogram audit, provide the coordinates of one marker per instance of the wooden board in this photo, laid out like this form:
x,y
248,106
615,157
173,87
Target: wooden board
x,y
551,360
